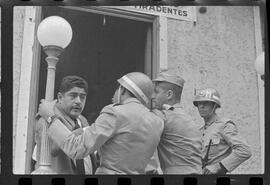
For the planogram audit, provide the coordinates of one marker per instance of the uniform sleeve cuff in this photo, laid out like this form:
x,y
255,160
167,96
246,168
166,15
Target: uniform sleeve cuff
x,y
226,164
223,168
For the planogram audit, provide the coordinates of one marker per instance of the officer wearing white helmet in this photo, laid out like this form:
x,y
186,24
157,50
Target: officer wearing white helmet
x,y
180,145
223,148
126,133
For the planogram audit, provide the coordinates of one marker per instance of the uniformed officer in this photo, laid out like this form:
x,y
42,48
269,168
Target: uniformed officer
x,y
180,145
223,148
126,133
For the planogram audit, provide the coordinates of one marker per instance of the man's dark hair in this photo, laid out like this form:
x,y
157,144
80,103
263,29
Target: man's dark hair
x,y
69,82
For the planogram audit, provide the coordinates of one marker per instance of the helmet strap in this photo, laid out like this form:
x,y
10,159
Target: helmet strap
x,y
214,108
119,95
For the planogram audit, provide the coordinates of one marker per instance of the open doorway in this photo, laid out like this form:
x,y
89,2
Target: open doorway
x,y
103,49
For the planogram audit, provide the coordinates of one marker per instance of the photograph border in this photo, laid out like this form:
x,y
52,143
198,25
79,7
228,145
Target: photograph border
x,y
7,176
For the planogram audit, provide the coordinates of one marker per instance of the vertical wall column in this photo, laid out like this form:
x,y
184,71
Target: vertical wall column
x,y
259,49
163,43
20,143
148,52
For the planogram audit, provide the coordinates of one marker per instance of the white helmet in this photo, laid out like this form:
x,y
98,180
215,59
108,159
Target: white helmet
x,y
139,84
207,94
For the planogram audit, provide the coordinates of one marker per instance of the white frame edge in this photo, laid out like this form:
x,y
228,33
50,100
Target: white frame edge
x,y
259,49
24,90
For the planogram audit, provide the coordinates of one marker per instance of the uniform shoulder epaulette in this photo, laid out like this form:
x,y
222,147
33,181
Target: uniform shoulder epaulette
x,y
226,120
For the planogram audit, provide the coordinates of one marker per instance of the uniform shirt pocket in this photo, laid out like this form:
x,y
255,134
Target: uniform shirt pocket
x,y
215,140
215,146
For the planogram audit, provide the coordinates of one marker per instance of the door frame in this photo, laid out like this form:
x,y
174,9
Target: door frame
x,y
159,32
28,90
259,44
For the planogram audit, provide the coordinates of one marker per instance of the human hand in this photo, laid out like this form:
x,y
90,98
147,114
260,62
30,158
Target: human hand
x,y
78,131
206,171
46,108
152,172
212,169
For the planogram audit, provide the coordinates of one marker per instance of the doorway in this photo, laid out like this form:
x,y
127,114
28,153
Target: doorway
x,y
103,49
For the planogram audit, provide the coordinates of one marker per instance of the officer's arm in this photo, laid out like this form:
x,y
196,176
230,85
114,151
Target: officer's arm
x,y
92,138
240,150
55,149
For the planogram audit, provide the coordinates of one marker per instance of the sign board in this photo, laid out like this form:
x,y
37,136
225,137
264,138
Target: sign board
x,y
187,13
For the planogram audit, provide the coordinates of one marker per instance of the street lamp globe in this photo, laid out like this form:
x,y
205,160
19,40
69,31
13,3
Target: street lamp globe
x,y
259,64
54,31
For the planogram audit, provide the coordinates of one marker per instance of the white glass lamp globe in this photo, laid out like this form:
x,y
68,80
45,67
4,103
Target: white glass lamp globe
x,y
259,64
54,31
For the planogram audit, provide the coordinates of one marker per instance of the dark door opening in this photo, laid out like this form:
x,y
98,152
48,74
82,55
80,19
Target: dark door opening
x,y
103,48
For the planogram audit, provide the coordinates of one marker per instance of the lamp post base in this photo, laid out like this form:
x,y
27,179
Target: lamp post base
x,y
43,170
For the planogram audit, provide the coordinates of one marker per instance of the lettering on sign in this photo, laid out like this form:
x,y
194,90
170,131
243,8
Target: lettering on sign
x,y
187,13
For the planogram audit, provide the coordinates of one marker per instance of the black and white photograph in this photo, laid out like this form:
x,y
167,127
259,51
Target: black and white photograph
x,y
128,90
0,89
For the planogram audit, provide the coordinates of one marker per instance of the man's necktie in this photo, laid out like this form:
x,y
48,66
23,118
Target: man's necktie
x,y
79,162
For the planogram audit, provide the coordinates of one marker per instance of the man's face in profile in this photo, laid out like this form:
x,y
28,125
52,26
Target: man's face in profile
x,y
159,97
72,101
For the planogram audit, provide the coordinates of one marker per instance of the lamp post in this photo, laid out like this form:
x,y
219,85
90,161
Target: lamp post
x,y
259,65
54,34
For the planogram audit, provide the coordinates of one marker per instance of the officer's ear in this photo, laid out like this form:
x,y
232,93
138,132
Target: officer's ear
x,y
170,94
215,107
123,90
